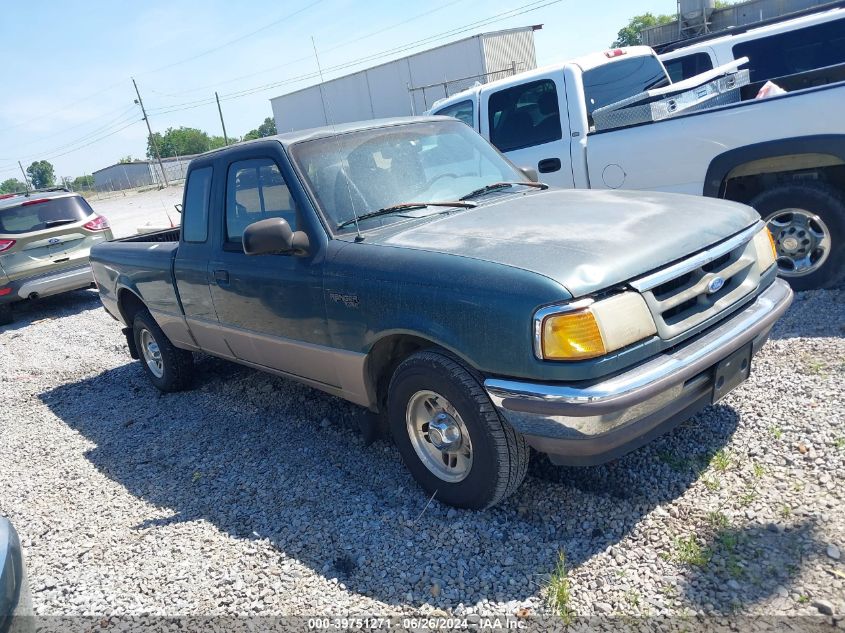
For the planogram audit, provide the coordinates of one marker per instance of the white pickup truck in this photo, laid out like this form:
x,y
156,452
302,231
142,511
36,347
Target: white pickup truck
x,y
783,155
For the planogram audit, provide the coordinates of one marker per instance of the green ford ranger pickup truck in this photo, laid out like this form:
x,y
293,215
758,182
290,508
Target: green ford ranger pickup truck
x,y
406,266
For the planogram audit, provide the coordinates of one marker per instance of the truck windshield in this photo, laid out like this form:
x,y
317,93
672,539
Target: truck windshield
x,y
621,79
360,172
39,214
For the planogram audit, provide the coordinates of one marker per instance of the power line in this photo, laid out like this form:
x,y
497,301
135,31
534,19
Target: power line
x,y
526,8
233,41
63,108
308,57
122,118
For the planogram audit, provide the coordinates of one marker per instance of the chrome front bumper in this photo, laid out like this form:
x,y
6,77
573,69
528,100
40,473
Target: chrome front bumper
x,y
587,424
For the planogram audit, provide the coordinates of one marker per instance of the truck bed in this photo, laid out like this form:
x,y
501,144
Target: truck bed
x,y
143,264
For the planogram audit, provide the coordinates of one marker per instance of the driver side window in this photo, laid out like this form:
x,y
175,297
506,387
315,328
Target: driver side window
x,y
256,190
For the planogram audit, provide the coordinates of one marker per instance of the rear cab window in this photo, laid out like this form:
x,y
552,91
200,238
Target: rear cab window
x,y
688,66
621,79
794,51
256,190
463,111
195,213
524,116
40,214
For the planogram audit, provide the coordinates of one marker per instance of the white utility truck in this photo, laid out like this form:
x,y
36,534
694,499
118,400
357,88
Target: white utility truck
x,y
580,124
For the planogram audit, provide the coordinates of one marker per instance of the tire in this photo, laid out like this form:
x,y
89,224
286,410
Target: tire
x,y
824,206
498,455
6,316
168,367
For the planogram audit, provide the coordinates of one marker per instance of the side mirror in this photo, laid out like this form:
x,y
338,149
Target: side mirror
x,y
530,173
178,208
272,236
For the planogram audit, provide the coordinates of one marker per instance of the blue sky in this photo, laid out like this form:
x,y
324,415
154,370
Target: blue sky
x,y
66,66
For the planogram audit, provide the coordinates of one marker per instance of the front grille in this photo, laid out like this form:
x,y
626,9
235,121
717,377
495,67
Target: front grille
x,y
681,296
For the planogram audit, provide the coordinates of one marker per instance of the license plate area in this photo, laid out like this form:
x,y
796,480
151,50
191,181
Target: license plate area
x,y
731,372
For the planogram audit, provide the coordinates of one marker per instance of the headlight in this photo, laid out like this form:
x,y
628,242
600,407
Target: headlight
x,y
587,329
767,253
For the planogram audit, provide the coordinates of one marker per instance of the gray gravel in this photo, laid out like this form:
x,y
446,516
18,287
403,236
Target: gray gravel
x,y
255,495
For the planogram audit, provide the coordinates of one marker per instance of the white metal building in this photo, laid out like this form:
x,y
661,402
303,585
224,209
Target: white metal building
x,y
409,85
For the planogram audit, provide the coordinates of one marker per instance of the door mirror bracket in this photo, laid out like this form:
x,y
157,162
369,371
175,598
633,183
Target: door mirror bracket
x,y
274,236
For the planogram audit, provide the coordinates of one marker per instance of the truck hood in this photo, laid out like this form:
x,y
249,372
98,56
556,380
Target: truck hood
x,y
585,240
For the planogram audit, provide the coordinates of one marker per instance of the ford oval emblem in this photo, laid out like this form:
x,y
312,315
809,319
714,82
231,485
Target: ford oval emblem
x,y
715,285
54,240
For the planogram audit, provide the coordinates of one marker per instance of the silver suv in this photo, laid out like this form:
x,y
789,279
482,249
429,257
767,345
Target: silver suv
x,y
45,240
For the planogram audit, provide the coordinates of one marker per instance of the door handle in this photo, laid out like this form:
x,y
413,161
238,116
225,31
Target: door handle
x,y
548,165
221,277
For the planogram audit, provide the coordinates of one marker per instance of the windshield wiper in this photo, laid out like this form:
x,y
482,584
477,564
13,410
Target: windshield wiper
x,y
404,206
502,185
52,223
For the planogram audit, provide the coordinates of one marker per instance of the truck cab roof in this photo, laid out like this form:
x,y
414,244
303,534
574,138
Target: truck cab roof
x,y
584,63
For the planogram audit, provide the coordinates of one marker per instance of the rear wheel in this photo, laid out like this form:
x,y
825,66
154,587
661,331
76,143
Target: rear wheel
x,y
6,316
450,436
168,367
807,222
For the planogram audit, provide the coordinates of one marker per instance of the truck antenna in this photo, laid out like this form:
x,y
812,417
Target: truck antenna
x,y
343,163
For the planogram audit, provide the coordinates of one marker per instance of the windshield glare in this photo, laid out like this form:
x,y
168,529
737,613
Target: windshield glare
x,y
620,79
436,161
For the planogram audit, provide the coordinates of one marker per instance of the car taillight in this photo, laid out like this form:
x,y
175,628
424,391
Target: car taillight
x,y
6,245
99,223
5,291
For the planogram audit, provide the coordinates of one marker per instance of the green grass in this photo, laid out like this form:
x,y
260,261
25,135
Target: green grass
x,y
717,520
777,432
633,598
689,552
747,498
560,591
840,442
786,512
721,460
803,599
758,470
711,483
678,464
814,366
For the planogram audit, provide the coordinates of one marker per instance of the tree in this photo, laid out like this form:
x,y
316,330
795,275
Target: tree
x,y
12,185
216,142
83,183
126,160
182,141
630,34
268,128
41,174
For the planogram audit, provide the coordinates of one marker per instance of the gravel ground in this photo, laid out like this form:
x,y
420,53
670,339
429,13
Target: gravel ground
x,y
255,495
128,210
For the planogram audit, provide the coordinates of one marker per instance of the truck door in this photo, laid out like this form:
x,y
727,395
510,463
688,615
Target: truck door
x,y
270,307
190,268
525,123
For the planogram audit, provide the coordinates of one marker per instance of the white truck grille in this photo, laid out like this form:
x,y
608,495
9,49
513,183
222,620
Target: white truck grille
x,y
691,291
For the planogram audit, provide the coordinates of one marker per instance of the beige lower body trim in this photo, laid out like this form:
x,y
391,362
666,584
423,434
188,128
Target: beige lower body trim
x,y
338,372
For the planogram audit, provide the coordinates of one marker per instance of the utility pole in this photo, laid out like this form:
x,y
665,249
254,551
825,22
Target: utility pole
x,y
225,138
149,129
25,179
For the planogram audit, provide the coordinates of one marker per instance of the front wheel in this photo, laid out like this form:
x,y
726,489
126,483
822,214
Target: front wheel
x,y
450,436
807,222
168,367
